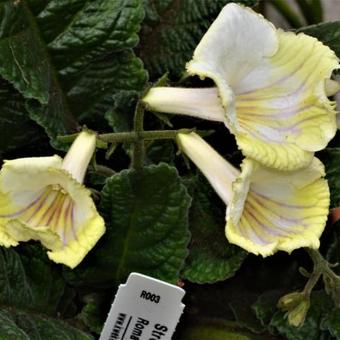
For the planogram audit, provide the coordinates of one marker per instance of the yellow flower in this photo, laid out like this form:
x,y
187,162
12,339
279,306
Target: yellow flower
x,y
267,209
42,198
271,88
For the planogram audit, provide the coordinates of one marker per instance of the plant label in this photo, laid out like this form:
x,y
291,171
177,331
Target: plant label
x,y
144,309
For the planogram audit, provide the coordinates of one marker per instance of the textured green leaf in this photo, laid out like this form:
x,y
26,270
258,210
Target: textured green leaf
x,y
212,258
23,59
172,29
328,33
70,57
92,313
17,130
331,159
146,215
331,322
25,63
30,291
92,50
28,282
94,90
265,306
19,325
123,100
160,151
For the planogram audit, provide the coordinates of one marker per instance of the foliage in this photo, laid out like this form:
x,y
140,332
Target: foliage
x,y
69,63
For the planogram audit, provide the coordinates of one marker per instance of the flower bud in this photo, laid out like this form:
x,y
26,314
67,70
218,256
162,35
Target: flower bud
x,y
296,305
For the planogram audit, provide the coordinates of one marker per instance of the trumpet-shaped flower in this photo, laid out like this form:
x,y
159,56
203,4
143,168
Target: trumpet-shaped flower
x,y
268,209
42,198
271,88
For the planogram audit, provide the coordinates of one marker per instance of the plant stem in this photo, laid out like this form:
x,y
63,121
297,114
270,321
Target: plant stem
x,y
317,8
286,11
103,170
307,11
131,137
321,268
318,262
139,149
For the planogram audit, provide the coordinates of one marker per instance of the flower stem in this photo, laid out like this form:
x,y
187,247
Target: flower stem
x,y
102,170
139,149
318,262
287,12
323,268
131,137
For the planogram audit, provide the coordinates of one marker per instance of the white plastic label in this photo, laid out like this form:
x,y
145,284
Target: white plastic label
x,y
144,309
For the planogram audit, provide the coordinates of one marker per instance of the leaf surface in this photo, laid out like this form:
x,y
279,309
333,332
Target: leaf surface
x,y
30,291
212,258
146,215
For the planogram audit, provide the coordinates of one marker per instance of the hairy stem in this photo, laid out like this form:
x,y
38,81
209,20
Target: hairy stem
x,y
318,268
322,268
131,137
139,148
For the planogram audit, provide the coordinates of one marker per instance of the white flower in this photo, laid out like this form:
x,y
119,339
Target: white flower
x,y
267,209
271,88
42,198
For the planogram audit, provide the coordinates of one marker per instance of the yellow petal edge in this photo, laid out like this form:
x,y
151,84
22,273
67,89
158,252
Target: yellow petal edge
x,y
279,210
272,85
283,123
22,179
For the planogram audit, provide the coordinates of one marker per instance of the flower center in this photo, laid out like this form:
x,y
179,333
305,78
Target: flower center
x,y
52,208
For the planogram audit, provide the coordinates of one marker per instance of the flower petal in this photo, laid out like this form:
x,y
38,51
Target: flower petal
x,y
273,86
79,155
286,115
233,46
43,202
282,211
217,170
197,102
21,232
88,235
27,174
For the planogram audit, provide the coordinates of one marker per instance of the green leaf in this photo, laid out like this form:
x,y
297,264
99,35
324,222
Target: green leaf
x,y
216,330
116,73
92,50
25,63
160,151
331,159
331,322
17,325
146,215
212,258
265,306
30,291
124,101
17,130
172,29
328,33
92,313
28,282
67,58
